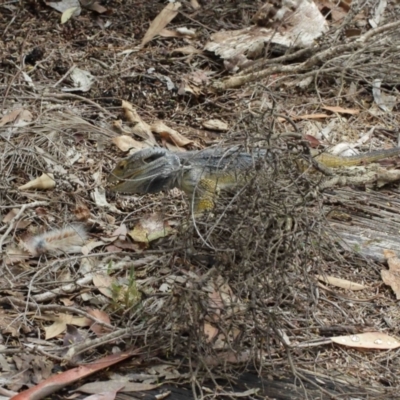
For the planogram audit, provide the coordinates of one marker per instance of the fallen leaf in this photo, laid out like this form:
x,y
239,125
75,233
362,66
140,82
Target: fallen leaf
x,y
93,6
384,101
10,117
64,5
210,331
63,379
120,232
88,247
82,80
187,50
368,340
342,110
106,395
103,283
311,116
100,386
312,140
216,124
161,21
150,228
102,316
72,336
15,255
60,324
99,197
67,14
126,143
342,283
392,277
45,181
194,4
141,128
168,133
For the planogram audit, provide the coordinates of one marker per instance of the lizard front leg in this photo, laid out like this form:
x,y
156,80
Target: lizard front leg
x,y
203,195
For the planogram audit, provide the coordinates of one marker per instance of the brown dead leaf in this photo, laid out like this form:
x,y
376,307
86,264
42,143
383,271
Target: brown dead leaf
x,y
342,110
150,228
124,245
94,6
193,83
210,331
312,140
102,316
10,215
106,395
179,32
195,4
60,324
103,283
168,133
126,143
392,277
342,283
100,386
368,340
187,50
120,232
312,116
15,255
10,117
72,336
88,247
216,125
60,380
161,21
141,128
43,182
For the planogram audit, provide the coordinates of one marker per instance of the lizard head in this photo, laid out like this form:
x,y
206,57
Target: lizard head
x,y
145,171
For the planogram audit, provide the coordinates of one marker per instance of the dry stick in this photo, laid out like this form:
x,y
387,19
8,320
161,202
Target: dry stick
x,y
76,97
92,343
237,81
13,221
64,76
56,307
19,70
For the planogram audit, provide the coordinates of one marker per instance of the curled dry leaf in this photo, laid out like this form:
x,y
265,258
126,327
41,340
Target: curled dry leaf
x,y
103,283
342,110
63,5
166,15
210,331
141,128
368,340
126,143
20,116
216,125
93,6
150,228
342,283
168,133
69,13
45,181
186,50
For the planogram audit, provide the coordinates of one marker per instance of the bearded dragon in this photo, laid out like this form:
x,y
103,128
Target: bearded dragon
x,y
202,174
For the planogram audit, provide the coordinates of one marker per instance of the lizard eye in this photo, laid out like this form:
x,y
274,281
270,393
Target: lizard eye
x,y
152,158
121,166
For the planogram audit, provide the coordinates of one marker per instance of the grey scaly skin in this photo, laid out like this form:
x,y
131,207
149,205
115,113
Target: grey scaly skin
x,y
201,174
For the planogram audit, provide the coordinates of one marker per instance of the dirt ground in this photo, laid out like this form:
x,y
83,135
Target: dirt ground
x,y
249,287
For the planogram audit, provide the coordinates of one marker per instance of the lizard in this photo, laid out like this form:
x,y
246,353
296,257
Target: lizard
x,y
201,174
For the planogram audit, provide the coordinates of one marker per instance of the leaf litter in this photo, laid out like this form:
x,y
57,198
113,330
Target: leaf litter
x,y
216,290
